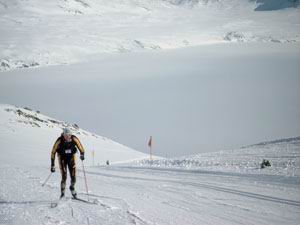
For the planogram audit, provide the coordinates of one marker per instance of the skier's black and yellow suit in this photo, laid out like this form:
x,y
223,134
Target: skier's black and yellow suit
x,y
66,153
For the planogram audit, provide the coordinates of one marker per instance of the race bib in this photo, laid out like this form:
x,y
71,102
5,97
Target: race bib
x,y
68,151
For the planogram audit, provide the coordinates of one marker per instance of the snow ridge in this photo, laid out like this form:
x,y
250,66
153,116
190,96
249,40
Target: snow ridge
x,y
278,141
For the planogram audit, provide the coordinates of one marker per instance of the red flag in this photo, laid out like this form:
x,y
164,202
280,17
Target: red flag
x,y
150,142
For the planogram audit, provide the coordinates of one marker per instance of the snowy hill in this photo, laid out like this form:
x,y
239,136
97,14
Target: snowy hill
x,y
130,195
284,155
27,137
40,32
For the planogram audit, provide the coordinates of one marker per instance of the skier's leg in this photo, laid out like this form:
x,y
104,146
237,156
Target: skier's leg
x,y
72,170
63,171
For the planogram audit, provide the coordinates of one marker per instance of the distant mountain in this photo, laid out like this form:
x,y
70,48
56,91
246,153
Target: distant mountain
x,y
261,5
41,33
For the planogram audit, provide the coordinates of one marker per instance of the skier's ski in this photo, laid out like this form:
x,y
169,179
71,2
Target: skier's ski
x,y
54,204
85,201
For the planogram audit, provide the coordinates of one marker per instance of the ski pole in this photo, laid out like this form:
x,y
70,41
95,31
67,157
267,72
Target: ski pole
x,y
46,180
86,187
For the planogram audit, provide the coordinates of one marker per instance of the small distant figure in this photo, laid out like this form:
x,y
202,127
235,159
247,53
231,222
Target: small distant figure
x,y
265,163
107,162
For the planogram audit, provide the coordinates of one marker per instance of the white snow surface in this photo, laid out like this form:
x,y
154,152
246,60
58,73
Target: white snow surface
x,y
140,195
41,32
226,187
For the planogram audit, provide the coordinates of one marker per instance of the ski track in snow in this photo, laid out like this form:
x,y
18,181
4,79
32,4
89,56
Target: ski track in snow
x,y
146,196
213,187
22,204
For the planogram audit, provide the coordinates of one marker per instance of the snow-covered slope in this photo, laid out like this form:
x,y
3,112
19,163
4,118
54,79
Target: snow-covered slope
x,y
284,156
41,32
27,137
141,196
126,195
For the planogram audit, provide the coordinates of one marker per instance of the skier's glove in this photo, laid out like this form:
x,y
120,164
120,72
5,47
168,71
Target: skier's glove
x,y
82,156
52,169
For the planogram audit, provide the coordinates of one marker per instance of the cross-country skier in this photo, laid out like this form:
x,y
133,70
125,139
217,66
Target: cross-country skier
x,y
66,147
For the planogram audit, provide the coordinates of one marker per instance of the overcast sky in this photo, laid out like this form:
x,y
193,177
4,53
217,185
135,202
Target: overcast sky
x,y
190,100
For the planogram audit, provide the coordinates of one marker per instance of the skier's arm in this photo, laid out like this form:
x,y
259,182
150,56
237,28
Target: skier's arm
x,y
53,152
79,145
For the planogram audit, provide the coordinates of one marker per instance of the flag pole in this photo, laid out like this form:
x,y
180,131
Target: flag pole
x,y
93,152
150,146
151,152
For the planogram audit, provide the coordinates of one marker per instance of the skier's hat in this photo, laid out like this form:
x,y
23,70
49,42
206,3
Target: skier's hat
x,y
67,131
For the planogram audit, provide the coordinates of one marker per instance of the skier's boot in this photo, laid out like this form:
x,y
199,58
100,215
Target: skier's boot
x,y
62,194
73,192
